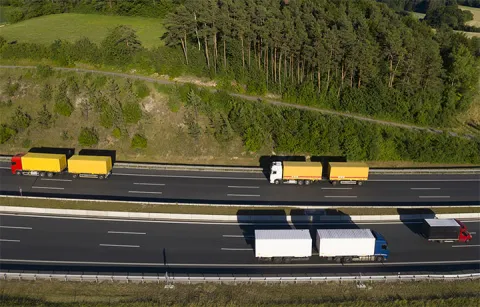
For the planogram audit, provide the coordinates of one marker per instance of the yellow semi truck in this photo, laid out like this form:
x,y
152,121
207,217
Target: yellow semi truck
x,y
305,173
48,164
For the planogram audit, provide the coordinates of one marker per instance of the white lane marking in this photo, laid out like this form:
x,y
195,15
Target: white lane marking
x,y
5,167
242,187
473,233
48,188
465,245
144,192
146,183
424,188
16,227
184,176
216,223
127,232
243,195
336,188
237,236
117,245
339,196
241,265
435,196
237,249
424,180
6,240
47,179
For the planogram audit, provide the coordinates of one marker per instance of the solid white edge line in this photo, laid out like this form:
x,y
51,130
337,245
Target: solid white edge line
x,y
240,265
340,196
424,180
48,179
434,196
48,188
146,183
243,195
425,188
237,236
242,187
16,227
118,245
7,240
466,245
144,192
336,188
127,232
236,249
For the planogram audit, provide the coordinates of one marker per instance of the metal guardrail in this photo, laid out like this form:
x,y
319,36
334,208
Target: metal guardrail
x,y
231,279
240,169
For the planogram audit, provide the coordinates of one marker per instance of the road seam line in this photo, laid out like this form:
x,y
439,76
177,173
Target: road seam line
x,y
118,245
16,227
127,232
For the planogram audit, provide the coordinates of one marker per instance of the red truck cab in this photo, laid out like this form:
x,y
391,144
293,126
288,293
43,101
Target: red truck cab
x,y
17,163
464,235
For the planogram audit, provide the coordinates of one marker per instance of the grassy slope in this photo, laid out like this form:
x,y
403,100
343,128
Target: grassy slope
x,y
47,293
476,15
71,27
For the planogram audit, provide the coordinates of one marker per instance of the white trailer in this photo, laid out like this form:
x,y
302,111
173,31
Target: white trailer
x,y
346,245
282,244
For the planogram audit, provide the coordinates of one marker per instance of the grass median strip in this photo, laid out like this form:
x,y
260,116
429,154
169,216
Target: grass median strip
x,y
216,210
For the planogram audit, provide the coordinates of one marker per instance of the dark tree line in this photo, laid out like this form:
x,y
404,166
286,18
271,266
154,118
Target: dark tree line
x,y
350,55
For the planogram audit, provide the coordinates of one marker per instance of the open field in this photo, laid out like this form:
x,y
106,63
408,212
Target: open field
x,y
71,27
476,15
54,293
214,210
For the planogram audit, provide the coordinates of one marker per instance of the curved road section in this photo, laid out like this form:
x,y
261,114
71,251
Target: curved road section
x,y
96,246
248,188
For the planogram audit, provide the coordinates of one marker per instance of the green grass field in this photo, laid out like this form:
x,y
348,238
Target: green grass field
x,y
476,15
71,27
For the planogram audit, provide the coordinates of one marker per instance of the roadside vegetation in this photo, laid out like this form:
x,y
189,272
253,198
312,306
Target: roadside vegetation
x,y
217,210
55,293
184,123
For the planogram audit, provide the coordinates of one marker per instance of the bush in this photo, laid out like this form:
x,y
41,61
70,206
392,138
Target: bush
x,y
63,106
46,92
11,87
117,133
132,112
44,71
142,90
88,137
139,142
5,133
44,117
20,120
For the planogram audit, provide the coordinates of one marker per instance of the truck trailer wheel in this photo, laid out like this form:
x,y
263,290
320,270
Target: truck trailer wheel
x,y
360,182
300,182
334,182
338,259
101,177
347,259
75,176
308,182
49,175
42,174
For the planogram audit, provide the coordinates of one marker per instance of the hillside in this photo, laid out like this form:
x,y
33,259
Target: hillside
x,y
71,27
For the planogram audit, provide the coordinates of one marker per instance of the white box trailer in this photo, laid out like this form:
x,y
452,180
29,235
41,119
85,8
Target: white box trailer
x,y
351,244
283,243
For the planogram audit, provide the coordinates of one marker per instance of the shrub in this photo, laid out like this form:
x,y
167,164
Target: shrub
x,y
139,142
44,117
46,92
27,143
117,133
132,112
11,87
5,133
88,137
20,120
142,90
63,106
44,71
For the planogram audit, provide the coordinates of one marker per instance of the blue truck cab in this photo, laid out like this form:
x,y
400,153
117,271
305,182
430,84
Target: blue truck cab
x,y
381,246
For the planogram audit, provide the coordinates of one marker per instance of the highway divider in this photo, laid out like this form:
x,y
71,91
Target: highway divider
x,y
259,170
241,219
170,280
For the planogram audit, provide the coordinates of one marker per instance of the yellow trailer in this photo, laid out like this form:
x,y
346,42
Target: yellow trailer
x,y
348,172
87,166
40,164
296,172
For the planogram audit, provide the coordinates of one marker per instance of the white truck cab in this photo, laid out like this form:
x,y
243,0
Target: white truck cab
x,y
276,172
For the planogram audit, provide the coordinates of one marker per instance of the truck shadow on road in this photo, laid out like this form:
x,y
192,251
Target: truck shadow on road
x,y
415,225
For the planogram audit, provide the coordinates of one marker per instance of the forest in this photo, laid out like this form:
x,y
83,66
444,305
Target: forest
x,y
355,56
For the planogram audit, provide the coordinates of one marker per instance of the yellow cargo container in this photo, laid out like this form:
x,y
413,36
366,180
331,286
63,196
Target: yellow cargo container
x,y
354,171
302,170
42,162
95,165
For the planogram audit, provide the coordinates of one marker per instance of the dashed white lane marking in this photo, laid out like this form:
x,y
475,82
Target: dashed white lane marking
x,y
238,236
127,232
16,227
242,187
336,188
146,183
48,188
237,249
191,177
4,167
6,240
48,179
340,196
117,245
144,192
243,195
435,196
424,188
465,245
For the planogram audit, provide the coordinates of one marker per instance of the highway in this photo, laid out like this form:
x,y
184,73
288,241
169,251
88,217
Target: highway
x,y
248,188
60,244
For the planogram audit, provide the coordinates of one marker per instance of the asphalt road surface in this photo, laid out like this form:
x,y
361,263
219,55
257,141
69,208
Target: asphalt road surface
x,y
248,188
60,244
